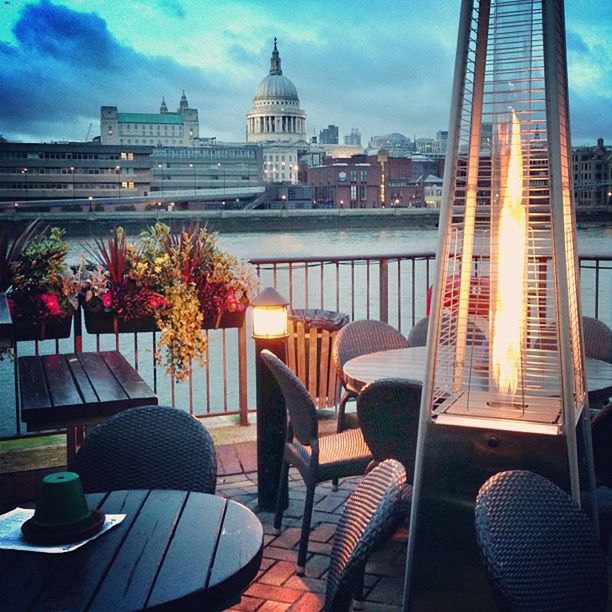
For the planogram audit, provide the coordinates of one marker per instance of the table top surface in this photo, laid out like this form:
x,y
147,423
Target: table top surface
x,y
174,549
410,363
76,388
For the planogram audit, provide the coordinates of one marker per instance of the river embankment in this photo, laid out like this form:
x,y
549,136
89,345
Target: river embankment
x,y
95,223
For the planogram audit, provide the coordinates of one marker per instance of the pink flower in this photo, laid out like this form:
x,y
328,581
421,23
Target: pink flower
x,y
107,299
51,303
156,301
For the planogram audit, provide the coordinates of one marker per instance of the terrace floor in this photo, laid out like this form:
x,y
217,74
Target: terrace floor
x,y
276,586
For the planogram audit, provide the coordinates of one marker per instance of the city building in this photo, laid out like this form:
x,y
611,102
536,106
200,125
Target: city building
x,y
367,181
396,145
72,173
179,129
329,135
354,138
592,168
278,124
90,174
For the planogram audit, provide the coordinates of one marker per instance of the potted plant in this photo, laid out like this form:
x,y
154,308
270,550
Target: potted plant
x,y
181,280
41,289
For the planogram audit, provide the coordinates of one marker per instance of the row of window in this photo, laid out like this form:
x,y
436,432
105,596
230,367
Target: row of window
x,y
142,126
30,186
56,155
67,171
204,152
277,158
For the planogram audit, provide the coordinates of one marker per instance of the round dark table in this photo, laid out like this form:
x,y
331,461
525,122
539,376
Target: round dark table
x,y
174,550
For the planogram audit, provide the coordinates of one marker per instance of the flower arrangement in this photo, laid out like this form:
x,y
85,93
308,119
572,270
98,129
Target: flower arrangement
x,y
40,287
180,278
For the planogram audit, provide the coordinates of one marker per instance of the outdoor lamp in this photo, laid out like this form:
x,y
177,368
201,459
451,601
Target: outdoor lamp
x,y
269,315
270,333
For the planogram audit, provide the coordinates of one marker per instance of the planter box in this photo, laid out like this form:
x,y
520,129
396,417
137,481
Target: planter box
x,y
226,320
108,323
54,328
101,322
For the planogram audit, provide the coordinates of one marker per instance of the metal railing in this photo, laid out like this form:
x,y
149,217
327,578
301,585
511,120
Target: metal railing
x,y
392,288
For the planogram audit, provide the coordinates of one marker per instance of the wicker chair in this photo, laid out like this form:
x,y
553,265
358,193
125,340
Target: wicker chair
x,y
371,513
540,550
597,339
475,330
355,339
150,447
388,411
418,334
316,459
601,431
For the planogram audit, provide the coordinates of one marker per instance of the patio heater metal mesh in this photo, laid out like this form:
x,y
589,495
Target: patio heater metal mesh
x,y
505,386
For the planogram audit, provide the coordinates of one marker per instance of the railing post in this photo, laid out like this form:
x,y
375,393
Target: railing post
x,y
383,290
242,374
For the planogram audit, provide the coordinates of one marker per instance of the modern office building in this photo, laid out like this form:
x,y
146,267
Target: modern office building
x,y
72,172
354,138
168,129
278,124
329,135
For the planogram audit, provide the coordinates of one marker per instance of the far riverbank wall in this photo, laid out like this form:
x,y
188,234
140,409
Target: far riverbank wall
x,y
96,223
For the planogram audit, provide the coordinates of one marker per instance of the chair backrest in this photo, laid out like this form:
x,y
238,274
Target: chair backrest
x,y
300,407
388,411
363,337
309,350
540,550
597,339
418,334
476,330
601,432
149,447
371,512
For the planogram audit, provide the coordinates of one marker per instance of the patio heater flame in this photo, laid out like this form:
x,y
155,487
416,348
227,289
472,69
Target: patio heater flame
x,y
510,302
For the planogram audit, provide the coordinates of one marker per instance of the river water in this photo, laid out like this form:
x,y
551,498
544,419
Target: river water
x,y
323,243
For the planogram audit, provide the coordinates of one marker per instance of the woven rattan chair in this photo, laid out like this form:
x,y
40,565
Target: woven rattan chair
x,y
475,330
418,334
372,511
597,339
355,339
316,459
540,550
388,411
150,447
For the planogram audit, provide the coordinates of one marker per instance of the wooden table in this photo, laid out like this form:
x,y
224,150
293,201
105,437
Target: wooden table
x,y
410,363
174,550
76,389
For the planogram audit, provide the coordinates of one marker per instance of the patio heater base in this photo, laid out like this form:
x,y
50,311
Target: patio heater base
x,y
447,573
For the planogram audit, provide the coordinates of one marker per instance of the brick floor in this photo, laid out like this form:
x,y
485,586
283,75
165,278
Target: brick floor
x,y
276,586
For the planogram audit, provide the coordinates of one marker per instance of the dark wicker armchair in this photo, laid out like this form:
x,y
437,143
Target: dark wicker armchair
x,y
371,513
388,411
355,339
150,447
316,459
540,550
597,339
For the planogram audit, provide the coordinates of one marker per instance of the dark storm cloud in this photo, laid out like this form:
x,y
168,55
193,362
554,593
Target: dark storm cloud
x,y
65,65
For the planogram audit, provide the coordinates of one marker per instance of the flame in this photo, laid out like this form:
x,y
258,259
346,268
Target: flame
x,y
509,306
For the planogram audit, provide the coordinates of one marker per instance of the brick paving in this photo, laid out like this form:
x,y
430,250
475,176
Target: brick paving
x,y
276,586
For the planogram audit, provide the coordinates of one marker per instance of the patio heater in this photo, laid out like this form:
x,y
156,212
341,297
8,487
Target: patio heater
x,y
504,386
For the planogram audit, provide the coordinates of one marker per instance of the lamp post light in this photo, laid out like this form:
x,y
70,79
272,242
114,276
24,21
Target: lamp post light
x,y
269,332
118,172
73,192
90,198
195,188
162,178
25,173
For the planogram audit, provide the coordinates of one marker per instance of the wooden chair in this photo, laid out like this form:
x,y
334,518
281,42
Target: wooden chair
x,y
540,550
316,458
309,355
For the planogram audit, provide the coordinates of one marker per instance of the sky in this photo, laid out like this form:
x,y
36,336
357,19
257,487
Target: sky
x,y
382,67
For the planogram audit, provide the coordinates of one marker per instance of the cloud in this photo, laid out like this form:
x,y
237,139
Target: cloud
x,y
173,8
65,65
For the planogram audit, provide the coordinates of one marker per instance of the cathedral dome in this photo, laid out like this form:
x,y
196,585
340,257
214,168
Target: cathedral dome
x,y
276,86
